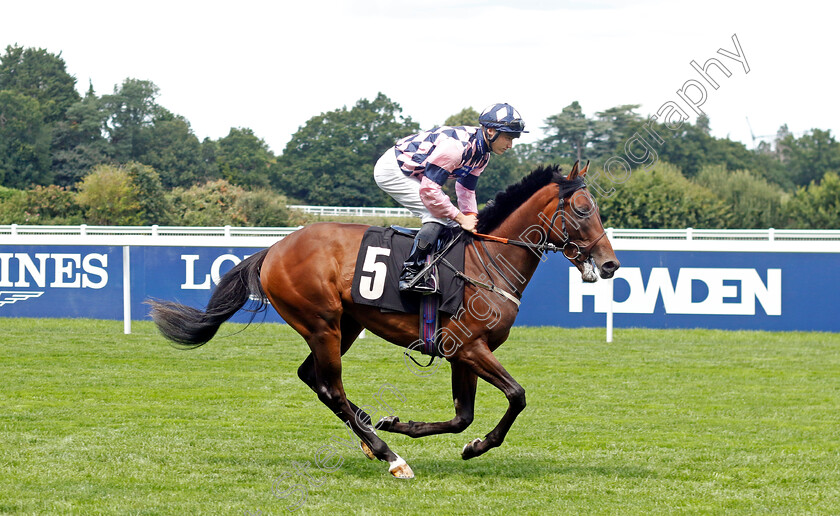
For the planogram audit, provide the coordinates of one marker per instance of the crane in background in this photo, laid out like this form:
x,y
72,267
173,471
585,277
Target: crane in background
x,y
754,137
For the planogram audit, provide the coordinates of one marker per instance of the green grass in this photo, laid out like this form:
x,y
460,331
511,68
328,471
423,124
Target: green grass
x,y
96,422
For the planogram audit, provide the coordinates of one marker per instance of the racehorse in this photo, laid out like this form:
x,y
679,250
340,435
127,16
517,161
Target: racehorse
x,y
307,278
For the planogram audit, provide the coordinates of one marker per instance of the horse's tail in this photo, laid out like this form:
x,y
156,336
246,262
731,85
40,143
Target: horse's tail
x,y
191,327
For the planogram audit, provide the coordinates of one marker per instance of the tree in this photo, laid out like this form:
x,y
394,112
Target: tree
x,y
611,128
220,203
209,150
77,141
264,208
210,204
107,197
130,112
663,198
139,129
816,206
12,202
48,205
754,203
128,195
809,157
40,75
568,133
691,148
330,159
174,151
466,117
244,159
24,142
704,124
148,191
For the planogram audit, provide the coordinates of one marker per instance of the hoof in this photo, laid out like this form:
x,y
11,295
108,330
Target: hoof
x,y
366,449
387,423
469,449
401,470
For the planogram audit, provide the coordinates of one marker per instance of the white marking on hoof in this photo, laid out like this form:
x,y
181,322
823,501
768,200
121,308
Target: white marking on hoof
x,y
400,469
366,449
471,443
390,420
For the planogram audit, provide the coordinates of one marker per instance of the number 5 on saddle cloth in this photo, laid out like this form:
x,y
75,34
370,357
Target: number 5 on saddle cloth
x,y
379,263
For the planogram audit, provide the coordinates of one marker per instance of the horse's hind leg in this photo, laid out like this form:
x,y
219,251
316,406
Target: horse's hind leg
x,y
463,395
326,344
350,330
306,372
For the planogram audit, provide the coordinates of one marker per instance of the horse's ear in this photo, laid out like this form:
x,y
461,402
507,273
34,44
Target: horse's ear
x,y
585,169
574,173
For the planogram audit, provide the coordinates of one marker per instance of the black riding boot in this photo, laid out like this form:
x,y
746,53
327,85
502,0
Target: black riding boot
x,y
416,261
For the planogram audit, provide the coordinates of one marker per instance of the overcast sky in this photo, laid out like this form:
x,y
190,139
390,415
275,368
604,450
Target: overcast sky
x,y
271,66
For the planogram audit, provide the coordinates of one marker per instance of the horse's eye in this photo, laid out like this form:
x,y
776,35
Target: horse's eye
x,y
583,211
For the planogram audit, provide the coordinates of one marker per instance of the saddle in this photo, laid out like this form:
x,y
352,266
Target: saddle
x,y
378,266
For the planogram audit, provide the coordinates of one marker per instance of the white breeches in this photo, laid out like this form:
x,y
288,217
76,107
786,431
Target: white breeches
x,y
404,189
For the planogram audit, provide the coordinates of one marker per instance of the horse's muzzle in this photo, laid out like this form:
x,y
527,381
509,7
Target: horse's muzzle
x,y
608,268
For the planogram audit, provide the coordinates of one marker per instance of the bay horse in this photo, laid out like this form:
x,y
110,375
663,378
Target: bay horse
x,y
307,278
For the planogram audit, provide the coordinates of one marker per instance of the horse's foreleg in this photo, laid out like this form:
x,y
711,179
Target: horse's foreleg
x,y
463,395
483,363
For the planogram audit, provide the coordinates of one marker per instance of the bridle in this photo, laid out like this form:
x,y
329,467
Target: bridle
x,y
571,249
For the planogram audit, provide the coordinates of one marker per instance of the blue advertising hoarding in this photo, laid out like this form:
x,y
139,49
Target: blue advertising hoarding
x,y
87,281
653,289
692,289
61,281
186,275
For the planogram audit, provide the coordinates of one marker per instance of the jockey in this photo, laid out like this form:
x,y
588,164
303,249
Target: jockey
x,y
413,171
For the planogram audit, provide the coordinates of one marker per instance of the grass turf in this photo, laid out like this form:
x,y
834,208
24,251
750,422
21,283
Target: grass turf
x,y
660,421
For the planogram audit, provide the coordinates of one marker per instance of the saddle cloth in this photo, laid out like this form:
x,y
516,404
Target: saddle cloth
x,y
380,261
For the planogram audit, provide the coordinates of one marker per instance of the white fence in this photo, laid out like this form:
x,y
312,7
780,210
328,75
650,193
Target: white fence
x,y
143,235
759,240
345,211
735,240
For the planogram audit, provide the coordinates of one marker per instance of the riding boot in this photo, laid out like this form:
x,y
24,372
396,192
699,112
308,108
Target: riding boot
x,y
416,261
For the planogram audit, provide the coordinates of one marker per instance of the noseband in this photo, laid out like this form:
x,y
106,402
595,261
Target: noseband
x,y
571,249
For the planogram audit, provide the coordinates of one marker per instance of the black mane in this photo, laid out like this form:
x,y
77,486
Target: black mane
x,y
500,208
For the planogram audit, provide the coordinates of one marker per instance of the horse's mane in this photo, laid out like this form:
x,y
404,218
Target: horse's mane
x,y
500,208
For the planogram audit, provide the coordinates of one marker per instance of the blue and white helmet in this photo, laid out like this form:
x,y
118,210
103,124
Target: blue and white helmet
x,y
502,117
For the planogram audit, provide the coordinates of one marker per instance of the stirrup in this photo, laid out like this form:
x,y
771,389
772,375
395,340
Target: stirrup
x,y
419,289
421,284
424,281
